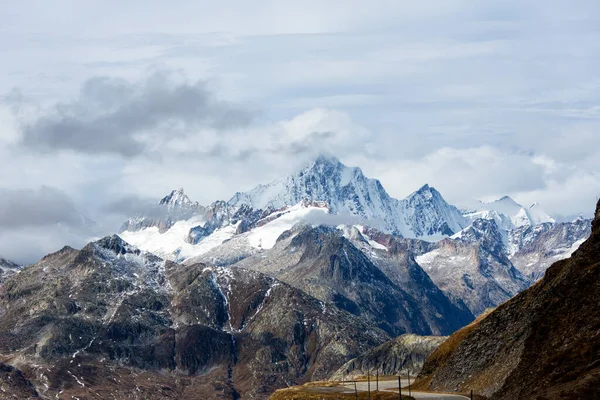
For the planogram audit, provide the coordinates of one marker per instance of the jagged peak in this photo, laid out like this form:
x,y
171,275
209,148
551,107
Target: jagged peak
x,y
116,244
177,198
325,164
481,226
427,192
325,158
505,200
484,231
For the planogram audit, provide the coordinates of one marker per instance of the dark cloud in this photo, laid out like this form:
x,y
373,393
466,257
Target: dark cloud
x,y
34,223
41,207
115,116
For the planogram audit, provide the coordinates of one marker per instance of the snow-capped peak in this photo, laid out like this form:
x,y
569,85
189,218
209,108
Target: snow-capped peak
x,y
484,232
537,215
510,214
347,190
177,199
425,191
322,179
505,205
429,215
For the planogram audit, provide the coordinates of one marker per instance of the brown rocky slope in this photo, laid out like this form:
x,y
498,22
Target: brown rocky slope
x,y
542,344
111,321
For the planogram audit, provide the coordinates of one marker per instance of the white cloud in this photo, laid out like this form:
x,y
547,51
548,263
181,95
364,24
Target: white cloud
x,y
479,99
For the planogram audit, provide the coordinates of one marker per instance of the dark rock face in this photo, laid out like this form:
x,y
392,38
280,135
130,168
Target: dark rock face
x,y
403,355
14,385
543,344
336,271
396,261
110,320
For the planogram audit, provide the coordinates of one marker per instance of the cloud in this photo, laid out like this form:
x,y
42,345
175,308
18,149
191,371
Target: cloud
x,y
42,207
479,99
488,173
28,245
220,165
114,116
36,222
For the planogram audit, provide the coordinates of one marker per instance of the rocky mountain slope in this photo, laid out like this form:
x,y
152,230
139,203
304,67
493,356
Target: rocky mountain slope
x,y
403,355
532,249
326,264
394,256
111,321
473,266
542,344
485,256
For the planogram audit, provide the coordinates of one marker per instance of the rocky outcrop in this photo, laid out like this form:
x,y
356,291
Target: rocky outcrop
x,y
543,344
404,355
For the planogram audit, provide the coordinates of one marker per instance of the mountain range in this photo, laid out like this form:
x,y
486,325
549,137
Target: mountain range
x,y
286,283
479,257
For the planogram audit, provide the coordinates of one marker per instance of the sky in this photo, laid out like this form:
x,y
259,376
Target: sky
x,y
106,105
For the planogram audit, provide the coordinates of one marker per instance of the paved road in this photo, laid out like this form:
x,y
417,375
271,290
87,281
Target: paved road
x,y
393,385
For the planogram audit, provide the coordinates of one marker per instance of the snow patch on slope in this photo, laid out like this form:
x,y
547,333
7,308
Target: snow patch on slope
x,y
173,244
264,237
